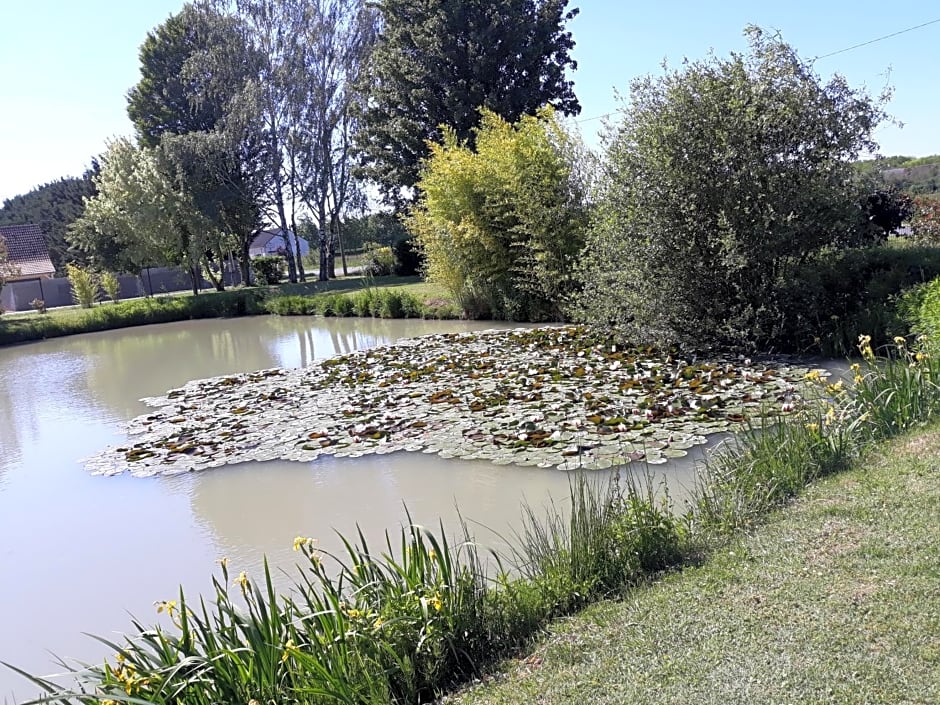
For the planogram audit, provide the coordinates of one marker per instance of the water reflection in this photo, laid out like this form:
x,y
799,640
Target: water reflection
x,y
77,552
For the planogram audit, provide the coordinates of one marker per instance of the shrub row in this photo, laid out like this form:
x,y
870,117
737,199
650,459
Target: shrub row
x,y
242,302
378,303
840,295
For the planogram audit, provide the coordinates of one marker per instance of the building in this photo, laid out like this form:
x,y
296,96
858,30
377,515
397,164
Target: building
x,y
273,242
27,253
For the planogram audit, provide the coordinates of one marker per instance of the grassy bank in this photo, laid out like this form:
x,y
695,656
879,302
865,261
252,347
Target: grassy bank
x,y
418,616
387,297
833,600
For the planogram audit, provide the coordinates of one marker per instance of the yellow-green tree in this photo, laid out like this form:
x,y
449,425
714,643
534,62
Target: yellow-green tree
x,y
501,224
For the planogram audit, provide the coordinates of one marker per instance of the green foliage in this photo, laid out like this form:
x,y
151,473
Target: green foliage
x,y
837,295
195,69
7,269
267,269
887,209
902,389
53,207
376,303
84,285
918,177
140,216
407,257
501,225
920,308
722,178
925,224
111,286
38,305
136,312
378,261
165,100
509,56
381,228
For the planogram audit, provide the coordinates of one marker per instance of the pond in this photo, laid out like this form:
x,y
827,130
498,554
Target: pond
x,y
80,552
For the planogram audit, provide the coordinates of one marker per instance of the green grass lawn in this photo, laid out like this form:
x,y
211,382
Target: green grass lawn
x,y
354,282
836,599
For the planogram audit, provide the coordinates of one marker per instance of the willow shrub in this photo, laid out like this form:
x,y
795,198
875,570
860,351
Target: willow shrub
x,y
720,179
501,223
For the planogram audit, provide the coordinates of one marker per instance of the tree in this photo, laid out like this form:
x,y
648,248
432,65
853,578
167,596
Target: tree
x,y
721,178
7,269
142,215
501,224
194,102
339,37
170,97
53,207
437,62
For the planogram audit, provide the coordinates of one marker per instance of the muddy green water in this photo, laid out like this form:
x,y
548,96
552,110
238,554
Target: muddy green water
x,y
79,553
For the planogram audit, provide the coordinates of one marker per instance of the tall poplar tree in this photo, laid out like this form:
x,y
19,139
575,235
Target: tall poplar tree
x,y
437,62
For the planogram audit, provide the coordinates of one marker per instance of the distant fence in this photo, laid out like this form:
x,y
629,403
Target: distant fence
x,y
17,296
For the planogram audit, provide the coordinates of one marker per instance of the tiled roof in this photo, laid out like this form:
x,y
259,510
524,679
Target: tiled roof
x,y
26,249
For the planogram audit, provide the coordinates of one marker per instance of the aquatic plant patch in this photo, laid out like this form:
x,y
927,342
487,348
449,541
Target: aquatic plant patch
x,y
566,397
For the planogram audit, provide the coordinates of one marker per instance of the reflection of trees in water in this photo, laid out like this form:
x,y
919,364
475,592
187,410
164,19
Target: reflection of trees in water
x,y
133,363
37,381
9,425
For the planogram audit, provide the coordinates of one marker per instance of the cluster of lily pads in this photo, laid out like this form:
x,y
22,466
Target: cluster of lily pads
x,y
563,397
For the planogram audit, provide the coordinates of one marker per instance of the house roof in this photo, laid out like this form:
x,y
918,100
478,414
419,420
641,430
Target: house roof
x,y
26,249
265,236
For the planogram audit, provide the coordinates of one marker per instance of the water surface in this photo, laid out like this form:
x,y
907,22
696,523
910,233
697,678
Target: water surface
x,y
78,553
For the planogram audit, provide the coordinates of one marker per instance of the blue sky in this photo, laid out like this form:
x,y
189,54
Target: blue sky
x,y
67,65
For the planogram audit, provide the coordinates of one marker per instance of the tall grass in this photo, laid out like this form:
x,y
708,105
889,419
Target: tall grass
x,y
767,464
369,302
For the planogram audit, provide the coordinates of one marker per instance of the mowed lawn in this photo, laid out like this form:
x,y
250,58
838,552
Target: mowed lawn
x,y
835,600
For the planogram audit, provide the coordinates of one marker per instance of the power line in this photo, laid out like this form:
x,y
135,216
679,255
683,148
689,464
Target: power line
x,y
822,56
596,117
878,39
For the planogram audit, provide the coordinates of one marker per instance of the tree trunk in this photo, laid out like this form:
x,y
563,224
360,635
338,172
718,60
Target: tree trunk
x,y
244,263
296,245
288,251
323,243
337,229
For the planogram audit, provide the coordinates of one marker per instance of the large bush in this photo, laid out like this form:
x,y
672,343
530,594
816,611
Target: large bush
x,y
501,225
722,179
379,261
407,257
837,295
267,269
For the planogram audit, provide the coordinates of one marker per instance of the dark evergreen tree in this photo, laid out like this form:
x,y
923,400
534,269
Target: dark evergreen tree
x,y
437,62
53,207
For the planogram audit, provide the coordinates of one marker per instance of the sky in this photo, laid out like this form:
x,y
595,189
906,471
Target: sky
x,y
66,66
